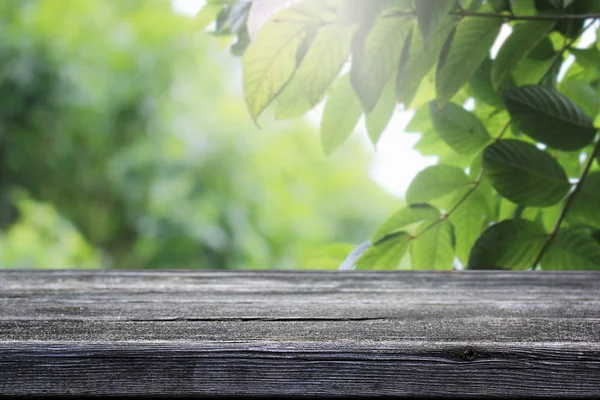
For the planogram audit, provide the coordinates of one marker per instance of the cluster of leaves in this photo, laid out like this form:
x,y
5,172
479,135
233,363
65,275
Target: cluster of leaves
x,y
105,159
516,185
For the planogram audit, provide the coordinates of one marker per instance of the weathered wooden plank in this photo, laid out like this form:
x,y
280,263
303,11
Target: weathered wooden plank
x,y
350,333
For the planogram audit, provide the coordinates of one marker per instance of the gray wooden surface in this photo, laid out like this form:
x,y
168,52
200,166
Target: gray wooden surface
x,y
300,333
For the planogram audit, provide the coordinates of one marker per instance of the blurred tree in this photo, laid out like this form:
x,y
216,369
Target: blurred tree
x,y
115,117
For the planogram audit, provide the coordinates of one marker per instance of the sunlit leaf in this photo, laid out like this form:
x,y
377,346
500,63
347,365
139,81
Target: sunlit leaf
x,y
510,244
377,120
572,250
434,182
271,58
320,66
549,117
468,221
583,94
418,59
429,13
404,217
524,174
340,116
585,209
523,7
469,47
434,247
459,128
523,39
386,255
375,57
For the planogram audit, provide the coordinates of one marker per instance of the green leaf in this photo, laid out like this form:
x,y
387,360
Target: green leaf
x,y
469,47
585,209
468,221
386,255
429,13
482,88
375,57
434,182
434,248
404,217
510,244
524,174
340,116
549,117
320,66
418,59
582,94
572,250
523,39
377,120
523,7
459,128
205,16
270,60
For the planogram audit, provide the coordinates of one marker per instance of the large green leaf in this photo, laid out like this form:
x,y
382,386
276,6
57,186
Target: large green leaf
x,y
434,182
482,88
429,14
549,117
418,59
271,58
375,57
386,255
523,7
434,248
469,47
340,116
585,209
459,128
583,94
510,244
320,66
572,250
468,221
404,217
523,39
378,119
524,174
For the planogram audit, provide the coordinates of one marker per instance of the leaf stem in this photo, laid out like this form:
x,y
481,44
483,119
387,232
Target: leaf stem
x,y
568,203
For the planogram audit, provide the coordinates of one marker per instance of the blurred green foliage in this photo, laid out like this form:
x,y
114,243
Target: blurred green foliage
x,y
124,145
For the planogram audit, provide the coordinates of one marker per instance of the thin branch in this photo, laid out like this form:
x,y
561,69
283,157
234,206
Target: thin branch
x,y
513,17
568,203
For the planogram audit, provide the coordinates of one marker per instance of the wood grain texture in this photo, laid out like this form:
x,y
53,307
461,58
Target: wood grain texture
x,y
190,333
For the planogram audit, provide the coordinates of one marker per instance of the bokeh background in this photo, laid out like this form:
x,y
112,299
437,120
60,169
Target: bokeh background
x,y
125,143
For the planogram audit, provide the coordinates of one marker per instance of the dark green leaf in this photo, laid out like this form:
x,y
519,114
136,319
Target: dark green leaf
x,y
510,244
523,39
386,255
469,47
434,248
434,182
549,117
404,217
572,250
459,128
524,174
